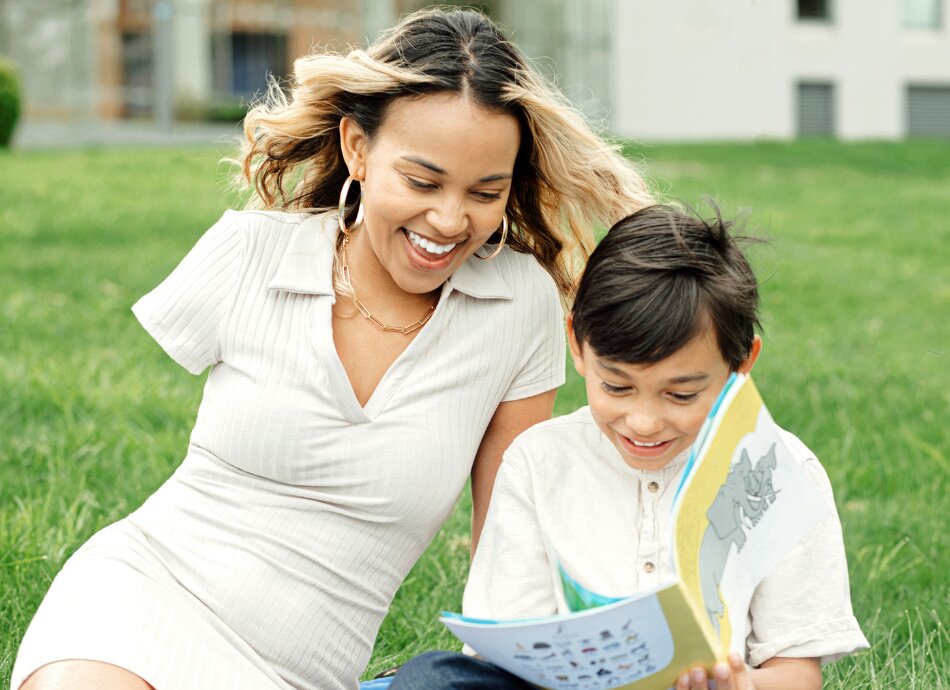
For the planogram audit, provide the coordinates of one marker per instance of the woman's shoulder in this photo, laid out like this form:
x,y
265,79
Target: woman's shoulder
x,y
262,220
523,267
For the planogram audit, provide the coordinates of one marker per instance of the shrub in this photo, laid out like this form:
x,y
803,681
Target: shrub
x,y
9,101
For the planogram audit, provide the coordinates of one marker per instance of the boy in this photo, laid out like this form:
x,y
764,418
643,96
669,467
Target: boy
x,y
665,311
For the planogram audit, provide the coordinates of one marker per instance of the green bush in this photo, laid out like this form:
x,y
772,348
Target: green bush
x,y
9,101
226,111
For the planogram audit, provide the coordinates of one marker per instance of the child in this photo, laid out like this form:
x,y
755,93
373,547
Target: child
x,y
665,311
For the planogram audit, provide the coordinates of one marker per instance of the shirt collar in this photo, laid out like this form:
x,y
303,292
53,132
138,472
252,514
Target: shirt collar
x,y
307,265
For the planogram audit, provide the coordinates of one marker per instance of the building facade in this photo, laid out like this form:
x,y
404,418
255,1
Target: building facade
x,y
670,70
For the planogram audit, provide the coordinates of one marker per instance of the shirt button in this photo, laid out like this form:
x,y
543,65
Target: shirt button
x,y
648,567
653,487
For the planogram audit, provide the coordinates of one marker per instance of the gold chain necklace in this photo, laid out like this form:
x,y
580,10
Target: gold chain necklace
x,y
405,330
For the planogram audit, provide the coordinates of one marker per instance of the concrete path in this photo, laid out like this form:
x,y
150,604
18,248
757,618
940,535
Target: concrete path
x,y
39,135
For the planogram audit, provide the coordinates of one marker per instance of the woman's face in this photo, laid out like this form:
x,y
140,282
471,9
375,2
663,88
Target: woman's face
x,y
435,180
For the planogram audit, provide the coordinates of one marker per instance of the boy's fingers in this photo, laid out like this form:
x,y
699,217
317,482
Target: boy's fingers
x,y
723,676
697,679
682,683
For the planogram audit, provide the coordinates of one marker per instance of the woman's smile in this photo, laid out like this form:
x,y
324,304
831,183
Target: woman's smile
x,y
426,255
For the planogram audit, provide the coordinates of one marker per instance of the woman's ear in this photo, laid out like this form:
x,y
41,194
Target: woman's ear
x,y
353,145
577,353
753,355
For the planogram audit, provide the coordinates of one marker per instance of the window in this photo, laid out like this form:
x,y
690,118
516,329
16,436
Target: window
x,y
138,65
816,109
922,14
252,57
814,9
927,109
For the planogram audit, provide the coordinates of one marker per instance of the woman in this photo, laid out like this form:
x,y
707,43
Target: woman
x,y
363,362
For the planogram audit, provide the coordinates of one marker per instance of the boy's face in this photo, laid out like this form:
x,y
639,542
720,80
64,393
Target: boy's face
x,y
653,412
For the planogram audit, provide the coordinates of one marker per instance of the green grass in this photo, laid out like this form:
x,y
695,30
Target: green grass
x,y
856,292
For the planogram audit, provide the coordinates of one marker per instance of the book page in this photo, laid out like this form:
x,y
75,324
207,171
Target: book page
x,y
746,506
628,645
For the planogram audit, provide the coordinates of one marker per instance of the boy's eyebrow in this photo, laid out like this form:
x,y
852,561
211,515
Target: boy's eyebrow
x,y
685,378
689,378
604,364
440,171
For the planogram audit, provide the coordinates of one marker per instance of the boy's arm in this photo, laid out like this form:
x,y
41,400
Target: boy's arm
x,y
802,609
510,575
778,673
787,673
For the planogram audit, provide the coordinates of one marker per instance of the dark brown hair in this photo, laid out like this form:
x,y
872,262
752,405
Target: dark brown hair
x,y
657,279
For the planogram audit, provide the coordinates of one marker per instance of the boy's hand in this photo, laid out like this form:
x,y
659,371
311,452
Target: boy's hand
x,y
731,675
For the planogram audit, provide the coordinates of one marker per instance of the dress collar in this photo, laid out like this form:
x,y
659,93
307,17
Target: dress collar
x,y
306,266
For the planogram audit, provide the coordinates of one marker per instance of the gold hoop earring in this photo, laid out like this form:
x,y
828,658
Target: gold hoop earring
x,y
501,245
341,209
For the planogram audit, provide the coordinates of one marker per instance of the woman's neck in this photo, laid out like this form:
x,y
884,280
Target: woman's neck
x,y
375,287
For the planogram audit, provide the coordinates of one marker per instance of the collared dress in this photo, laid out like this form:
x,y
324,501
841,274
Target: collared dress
x,y
564,488
270,557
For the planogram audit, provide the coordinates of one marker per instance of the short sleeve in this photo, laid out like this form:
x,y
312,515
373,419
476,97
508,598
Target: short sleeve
x,y
510,575
803,607
542,350
186,312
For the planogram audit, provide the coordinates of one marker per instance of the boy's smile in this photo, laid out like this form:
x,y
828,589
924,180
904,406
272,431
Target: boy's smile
x,y
652,412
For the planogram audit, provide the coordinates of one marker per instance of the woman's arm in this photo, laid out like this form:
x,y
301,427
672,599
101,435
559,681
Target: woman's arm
x,y
509,420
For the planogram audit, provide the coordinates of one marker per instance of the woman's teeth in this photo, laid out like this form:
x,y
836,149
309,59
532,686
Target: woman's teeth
x,y
647,445
428,245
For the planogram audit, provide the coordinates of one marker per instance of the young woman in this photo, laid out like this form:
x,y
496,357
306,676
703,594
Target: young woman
x,y
364,361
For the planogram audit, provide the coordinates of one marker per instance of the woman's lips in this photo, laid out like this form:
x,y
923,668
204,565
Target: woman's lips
x,y
427,261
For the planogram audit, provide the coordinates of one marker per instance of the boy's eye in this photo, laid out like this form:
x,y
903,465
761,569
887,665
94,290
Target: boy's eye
x,y
614,390
684,397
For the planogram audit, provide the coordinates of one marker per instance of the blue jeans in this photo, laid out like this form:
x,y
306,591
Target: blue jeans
x,y
454,671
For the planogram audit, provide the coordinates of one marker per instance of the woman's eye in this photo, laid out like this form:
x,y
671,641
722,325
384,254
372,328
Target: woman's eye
x,y
488,196
684,397
419,184
614,390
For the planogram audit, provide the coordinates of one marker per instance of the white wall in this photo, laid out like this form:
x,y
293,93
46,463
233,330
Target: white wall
x,y
191,51
707,69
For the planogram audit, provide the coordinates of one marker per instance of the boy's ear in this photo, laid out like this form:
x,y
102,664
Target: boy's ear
x,y
575,347
753,355
353,145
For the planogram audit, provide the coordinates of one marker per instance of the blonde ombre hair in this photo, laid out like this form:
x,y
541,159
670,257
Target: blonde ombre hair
x,y
566,180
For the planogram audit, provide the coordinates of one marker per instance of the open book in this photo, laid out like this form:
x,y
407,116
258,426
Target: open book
x,y
741,505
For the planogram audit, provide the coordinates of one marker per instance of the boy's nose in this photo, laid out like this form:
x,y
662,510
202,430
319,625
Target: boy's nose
x,y
644,422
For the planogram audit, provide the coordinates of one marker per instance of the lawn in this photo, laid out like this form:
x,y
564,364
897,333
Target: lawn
x,y
855,288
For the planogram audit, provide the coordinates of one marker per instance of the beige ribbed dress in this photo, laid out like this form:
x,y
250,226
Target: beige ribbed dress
x,y
270,557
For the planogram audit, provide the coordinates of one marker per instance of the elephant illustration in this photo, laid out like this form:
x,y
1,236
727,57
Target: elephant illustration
x,y
739,505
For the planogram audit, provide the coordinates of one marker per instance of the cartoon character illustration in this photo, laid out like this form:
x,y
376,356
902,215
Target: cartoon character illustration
x,y
739,505
761,480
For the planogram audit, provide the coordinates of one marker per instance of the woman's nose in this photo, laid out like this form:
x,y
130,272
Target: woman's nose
x,y
448,217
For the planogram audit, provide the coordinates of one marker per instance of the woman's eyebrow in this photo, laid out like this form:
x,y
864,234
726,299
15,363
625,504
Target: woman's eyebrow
x,y
440,171
425,164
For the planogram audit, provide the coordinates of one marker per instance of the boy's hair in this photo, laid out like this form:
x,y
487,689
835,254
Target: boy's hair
x,y
657,279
